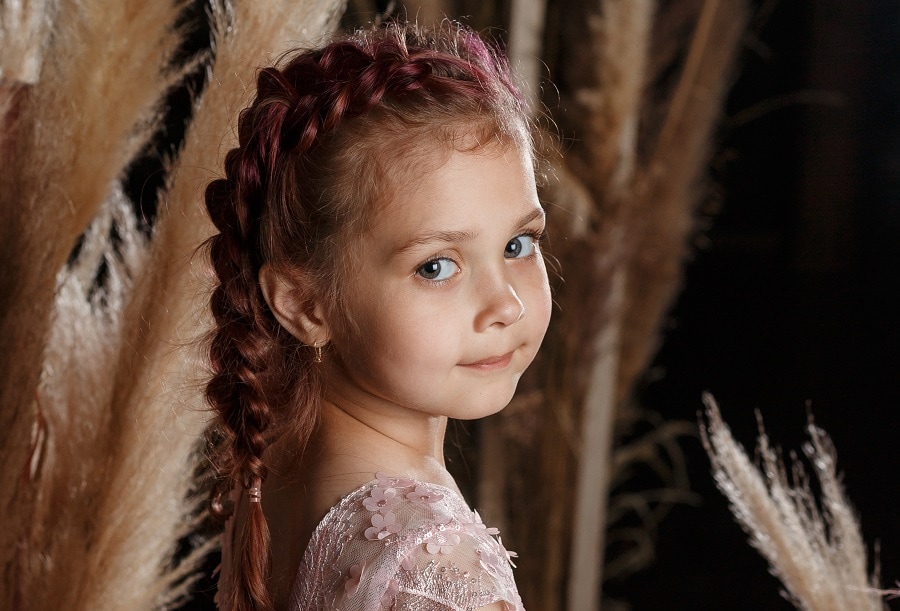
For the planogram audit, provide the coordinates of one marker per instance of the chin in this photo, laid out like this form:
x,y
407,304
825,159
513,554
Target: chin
x,y
487,404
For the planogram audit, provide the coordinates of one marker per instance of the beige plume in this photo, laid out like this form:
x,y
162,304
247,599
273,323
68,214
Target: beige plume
x,y
813,546
103,461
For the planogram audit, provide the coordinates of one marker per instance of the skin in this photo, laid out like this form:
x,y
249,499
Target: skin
x,y
450,300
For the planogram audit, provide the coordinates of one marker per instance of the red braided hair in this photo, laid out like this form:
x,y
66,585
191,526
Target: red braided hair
x,y
318,149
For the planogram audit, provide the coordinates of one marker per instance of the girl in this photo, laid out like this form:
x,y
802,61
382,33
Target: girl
x,y
378,272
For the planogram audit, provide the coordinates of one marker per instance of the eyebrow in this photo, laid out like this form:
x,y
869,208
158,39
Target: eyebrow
x,y
450,237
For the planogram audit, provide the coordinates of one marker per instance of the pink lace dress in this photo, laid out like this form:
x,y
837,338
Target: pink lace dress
x,y
399,544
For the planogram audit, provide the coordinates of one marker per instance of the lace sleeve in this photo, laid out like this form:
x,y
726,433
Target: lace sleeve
x,y
399,544
455,571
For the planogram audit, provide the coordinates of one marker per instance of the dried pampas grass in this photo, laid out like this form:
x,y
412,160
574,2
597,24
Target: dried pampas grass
x,y
670,183
74,127
620,42
813,546
104,463
24,28
635,170
104,459
169,312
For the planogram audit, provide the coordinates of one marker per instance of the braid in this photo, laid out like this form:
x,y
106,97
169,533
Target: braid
x,y
312,159
239,354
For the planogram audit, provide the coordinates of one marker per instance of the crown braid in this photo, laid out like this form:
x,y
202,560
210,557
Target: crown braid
x,y
303,177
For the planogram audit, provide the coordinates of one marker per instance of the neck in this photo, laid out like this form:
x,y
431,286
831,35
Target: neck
x,y
372,437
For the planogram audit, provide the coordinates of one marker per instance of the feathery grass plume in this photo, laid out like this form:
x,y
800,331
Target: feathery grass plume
x,y
595,54
76,127
23,35
668,186
526,33
145,503
620,43
814,548
24,26
103,493
677,119
75,405
623,264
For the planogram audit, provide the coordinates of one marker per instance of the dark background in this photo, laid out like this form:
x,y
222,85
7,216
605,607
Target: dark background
x,y
791,299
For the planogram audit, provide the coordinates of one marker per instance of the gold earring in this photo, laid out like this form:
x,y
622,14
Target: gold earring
x,y
317,357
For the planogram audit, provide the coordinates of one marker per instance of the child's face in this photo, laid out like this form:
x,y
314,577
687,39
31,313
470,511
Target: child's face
x,y
449,291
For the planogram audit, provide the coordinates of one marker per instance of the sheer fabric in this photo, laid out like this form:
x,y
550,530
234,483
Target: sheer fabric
x,y
401,544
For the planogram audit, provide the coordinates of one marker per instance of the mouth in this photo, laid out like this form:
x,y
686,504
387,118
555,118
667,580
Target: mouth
x,y
491,363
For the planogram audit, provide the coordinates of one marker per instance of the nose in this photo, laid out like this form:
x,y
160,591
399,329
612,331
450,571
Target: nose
x,y
500,305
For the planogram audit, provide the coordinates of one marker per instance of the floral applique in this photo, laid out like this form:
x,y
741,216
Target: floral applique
x,y
351,584
441,520
424,496
393,588
441,543
433,548
509,554
382,500
383,525
410,560
489,561
477,526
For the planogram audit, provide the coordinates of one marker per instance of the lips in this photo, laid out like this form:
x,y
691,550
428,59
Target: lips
x,y
490,363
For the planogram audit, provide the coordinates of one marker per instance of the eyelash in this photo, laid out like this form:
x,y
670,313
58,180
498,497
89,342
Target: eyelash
x,y
537,235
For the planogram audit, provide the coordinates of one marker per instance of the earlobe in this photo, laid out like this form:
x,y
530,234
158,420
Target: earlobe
x,y
288,298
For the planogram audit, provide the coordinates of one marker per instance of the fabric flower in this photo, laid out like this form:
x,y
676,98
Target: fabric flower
x,y
383,525
423,495
441,519
351,585
409,562
488,560
509,555
381,499
442,544
479,526
387,599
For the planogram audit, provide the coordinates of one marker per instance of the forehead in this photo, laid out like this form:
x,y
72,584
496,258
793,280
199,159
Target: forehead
x,y
403,155
449,189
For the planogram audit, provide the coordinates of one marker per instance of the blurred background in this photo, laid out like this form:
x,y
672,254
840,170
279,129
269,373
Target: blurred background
x,y
790,302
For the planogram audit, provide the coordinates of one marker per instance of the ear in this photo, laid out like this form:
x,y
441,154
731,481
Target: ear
x,y
290,300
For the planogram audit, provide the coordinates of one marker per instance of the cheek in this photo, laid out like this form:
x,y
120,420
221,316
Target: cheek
x,y
401,332
540,302
425,334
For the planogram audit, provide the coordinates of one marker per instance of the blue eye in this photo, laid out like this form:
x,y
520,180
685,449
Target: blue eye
x,y
437,269
519,247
